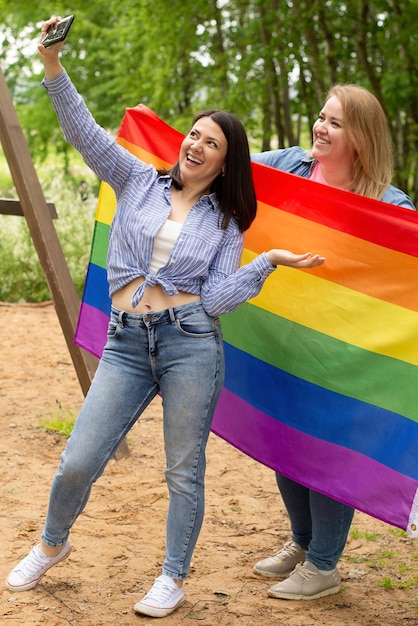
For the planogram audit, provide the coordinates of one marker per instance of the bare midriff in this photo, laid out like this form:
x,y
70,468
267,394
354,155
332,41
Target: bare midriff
x,y
154,298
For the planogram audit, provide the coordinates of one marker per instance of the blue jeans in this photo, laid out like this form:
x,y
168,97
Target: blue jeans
x,y
178,352
320,525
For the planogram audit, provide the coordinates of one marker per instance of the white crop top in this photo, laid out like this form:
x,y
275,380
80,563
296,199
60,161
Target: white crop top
x,y
163,244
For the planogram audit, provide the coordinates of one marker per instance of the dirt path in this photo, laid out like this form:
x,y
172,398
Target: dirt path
x,y
118,541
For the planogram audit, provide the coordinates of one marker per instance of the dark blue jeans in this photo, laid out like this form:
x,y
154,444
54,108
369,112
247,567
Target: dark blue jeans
x,y
319,524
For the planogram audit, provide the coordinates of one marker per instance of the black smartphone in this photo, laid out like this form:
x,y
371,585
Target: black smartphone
x,y
58,32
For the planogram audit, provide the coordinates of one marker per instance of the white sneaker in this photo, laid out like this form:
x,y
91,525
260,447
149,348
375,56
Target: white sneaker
x,y
164,597
27,574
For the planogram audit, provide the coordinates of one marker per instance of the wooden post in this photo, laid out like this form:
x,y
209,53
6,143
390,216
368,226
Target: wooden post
x,y
44,236
13,207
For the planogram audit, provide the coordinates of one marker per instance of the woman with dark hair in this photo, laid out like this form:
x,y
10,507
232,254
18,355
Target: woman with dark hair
x,y
234,186
173,262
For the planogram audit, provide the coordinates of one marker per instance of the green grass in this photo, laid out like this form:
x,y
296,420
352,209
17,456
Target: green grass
x,y
21,274
62,427
398,532
356,534
60,421
397,574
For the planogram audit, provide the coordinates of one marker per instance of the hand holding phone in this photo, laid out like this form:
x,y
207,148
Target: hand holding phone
x,y
58,32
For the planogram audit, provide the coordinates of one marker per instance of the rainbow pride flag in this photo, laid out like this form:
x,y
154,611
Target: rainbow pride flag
x,y
321,367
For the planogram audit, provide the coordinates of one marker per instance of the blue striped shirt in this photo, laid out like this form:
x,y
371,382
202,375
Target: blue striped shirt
x,y
205,259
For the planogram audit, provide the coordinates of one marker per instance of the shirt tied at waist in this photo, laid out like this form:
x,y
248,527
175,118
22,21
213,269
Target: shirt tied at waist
x,y
151,280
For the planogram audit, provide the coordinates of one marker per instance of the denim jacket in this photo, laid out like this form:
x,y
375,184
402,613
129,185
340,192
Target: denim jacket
x,y
297,161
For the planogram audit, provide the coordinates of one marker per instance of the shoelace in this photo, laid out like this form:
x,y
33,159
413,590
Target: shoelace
x,y
160,592
290,549
304,572
33,563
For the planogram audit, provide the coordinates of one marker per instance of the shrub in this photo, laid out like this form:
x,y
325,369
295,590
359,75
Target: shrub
x,y
75,199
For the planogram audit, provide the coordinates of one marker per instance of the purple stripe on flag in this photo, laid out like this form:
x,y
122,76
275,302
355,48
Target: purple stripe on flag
x,y
355,479
91,329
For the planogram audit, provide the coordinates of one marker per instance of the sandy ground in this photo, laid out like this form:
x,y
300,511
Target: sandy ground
x,y
118,542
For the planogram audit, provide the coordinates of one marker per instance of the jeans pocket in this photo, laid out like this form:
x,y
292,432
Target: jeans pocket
x,y
112,329
198,324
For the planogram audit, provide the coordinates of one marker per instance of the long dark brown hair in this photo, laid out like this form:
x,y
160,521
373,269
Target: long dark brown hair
x,y
234,187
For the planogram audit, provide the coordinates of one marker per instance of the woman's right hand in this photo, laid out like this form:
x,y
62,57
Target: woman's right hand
x,y
50,55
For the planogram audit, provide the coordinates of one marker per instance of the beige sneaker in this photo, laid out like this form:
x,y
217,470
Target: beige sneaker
x,y
306,583
281,564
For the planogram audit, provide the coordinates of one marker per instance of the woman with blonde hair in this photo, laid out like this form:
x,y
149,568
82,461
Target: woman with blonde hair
x,y
351,150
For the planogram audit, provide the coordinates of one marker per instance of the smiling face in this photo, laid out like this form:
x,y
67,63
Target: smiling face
x,y
330,145
202,153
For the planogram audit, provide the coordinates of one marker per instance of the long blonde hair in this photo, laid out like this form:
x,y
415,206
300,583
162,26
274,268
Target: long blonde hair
x,y
367,132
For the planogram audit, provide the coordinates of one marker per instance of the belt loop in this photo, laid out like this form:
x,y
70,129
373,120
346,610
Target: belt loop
x,y
172,316
121,317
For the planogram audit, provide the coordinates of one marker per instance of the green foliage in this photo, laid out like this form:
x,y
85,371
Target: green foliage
x,y
21,275
22,278
268,61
